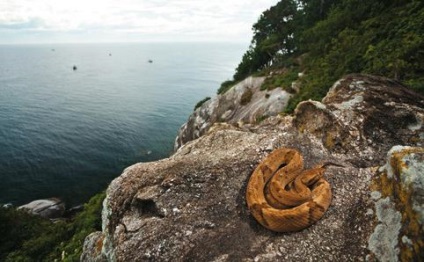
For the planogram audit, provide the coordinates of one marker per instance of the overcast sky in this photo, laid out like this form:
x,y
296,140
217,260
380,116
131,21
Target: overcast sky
x,y
56,21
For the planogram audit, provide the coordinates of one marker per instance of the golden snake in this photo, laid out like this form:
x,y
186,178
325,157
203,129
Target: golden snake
x,y
282,196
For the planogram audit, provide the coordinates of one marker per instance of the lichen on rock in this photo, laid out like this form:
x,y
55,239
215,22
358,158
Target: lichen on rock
x,y
383,242
93,245
192,207
401,183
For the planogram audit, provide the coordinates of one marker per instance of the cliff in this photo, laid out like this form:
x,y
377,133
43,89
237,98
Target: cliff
x,y
191,206
244,103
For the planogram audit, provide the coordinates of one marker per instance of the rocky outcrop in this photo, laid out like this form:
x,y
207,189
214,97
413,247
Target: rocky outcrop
x,y
398,192
93,244
243,103
192,207
48,208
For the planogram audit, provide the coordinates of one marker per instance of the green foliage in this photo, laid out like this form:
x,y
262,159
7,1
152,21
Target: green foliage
x,y
417,84
246,97
201,102
225,86
312,87
313,11
400,53
84,223
272,37
283,80
24,237
16,226
382,37
259,119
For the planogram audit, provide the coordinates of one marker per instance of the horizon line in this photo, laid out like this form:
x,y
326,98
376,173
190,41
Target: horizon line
x,y
129,42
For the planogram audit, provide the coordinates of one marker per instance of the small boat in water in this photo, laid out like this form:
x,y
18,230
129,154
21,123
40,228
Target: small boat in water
x,y
150,61
74,68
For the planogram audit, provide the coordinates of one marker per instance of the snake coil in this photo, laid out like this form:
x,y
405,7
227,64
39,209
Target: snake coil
x,y
282,196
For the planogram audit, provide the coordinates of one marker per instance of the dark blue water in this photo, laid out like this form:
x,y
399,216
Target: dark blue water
x,y
66,133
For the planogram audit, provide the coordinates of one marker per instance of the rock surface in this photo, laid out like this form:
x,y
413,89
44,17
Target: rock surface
x,y
243,103
191,206
398,192
48,208
93,244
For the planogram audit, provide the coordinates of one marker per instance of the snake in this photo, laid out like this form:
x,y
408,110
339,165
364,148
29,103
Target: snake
x,y
284,197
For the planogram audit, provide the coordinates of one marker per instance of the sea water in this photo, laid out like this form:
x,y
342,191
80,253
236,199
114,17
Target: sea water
x,y
67,132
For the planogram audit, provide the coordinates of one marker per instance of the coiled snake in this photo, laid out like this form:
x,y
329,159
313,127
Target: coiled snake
x,y
282,196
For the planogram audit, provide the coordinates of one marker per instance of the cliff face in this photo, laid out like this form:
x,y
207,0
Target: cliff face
x,y
243,103
191,206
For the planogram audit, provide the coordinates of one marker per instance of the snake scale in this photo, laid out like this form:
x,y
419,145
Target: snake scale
x,y
282,196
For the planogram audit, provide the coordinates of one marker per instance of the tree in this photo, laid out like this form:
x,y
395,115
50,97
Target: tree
x,y
273,34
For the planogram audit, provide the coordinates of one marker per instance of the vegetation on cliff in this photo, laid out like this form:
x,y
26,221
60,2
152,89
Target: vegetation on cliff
x,y
201,102
327,39
24,237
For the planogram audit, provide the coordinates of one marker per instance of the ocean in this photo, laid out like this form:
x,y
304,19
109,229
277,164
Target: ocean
x,y
67,133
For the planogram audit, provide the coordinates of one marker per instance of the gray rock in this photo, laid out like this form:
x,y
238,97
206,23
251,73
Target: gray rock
x,y
48,208
7,205
92,249
401,182
229,108
191,206
383,242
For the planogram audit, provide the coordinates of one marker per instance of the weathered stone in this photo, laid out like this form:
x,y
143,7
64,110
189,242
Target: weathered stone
x,y
401,182
383,242
92,249
47,208
233,107
191,206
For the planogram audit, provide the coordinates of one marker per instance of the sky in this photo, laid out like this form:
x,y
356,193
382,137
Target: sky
x,y
81,21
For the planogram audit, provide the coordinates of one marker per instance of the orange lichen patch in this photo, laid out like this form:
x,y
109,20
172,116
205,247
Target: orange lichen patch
x,y
414,139
99,244
411,227
390,185
329,140
376,183
397,163
386,185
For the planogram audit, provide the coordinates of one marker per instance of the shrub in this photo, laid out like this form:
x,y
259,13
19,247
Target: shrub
x,y
24,237
225,86
246,97
201,102
259,119
283,80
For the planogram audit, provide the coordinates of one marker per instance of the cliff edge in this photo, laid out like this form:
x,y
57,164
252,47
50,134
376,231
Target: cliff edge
x,y
191,206
244,103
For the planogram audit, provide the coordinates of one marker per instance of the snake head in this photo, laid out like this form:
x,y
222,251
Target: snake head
x,y
311,176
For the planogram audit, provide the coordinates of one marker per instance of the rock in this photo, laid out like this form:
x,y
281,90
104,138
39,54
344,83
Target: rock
x,y
92,248
73,211
364,116
7,205
191,206
244,102
48,208
398,191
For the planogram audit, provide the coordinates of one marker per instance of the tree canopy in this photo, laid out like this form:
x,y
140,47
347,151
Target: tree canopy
x,y
382,37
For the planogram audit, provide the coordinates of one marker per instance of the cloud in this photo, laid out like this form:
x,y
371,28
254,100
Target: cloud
x,y
31,23
194,19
